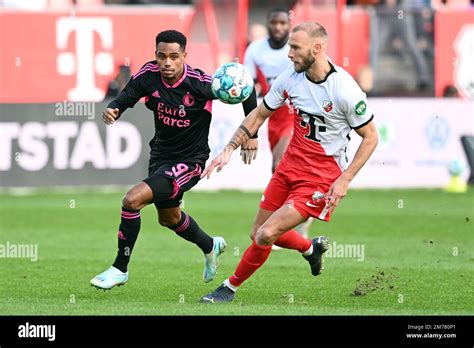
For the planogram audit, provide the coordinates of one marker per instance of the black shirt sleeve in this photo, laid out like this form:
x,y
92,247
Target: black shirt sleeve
x,y
129,96
249,104
203,84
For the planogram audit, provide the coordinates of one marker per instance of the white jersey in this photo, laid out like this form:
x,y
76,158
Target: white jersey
x,y
325,113
271,62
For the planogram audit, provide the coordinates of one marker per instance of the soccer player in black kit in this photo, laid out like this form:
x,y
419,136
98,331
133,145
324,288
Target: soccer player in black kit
x,y
181,100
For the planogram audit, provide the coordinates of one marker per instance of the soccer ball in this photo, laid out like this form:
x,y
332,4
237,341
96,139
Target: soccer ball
x,y
232,83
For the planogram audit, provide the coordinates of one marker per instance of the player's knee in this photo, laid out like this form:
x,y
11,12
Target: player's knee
x,y
264,236
132,201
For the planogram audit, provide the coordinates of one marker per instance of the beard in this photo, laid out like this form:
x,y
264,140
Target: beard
x,y
306,63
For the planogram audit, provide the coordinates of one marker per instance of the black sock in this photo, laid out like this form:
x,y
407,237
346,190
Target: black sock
x,y
188,229
127,235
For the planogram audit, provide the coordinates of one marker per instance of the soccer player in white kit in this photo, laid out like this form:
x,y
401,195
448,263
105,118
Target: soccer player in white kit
x,y
314,173
266,59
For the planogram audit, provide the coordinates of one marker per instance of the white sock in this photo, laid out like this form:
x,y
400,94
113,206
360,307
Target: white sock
x,y
230,286
309,251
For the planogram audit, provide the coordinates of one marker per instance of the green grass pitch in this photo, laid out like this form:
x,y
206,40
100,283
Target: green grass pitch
x,y
418,257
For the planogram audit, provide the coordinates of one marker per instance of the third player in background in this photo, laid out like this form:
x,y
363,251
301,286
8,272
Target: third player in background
x,y
266,59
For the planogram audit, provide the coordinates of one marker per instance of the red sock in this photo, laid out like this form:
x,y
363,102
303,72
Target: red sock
x,y
252,259
293,240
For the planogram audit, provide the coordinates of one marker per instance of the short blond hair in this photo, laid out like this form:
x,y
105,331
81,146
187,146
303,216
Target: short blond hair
x,y
313,29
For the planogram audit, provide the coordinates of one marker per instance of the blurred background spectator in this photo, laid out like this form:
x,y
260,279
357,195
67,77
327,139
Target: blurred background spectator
x,y
401,38
257,31
451,3
116,85
450,92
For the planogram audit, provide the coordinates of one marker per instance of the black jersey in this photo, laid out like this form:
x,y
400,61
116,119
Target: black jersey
x,y
182,112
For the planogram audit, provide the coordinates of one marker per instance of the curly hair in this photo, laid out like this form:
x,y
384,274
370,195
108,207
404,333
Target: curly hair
x,y
172,36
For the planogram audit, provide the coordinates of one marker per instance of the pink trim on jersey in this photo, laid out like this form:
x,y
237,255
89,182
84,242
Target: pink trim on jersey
x,y
177,83
147,67
208,106
191,71
144,71
200,78
204,77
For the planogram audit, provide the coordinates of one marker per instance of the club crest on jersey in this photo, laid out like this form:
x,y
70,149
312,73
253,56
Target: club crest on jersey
x,y
188,100
327,105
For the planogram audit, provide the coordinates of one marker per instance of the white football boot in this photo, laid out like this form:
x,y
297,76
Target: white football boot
x,y
110,278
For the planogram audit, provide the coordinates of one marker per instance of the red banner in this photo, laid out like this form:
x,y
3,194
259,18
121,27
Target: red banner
x,y
55,56
49,57
454,46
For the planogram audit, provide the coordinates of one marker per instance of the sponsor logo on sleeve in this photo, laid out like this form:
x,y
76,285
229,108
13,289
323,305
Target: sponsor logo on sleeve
x,y
360,108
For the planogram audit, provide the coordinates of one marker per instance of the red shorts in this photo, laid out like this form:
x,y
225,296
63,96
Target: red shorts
x,y
280,124
298,191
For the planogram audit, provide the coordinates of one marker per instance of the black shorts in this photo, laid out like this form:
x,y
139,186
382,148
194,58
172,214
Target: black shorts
x,y
169,181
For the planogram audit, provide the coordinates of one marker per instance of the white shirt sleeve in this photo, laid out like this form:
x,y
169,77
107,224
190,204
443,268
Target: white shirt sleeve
x,y
276,96
249,61
353,101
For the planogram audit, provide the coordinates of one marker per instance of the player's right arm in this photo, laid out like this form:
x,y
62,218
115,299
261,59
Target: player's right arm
x,y
128,97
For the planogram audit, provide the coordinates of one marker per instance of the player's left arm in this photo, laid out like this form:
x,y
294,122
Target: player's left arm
x,y
369,141
127,98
